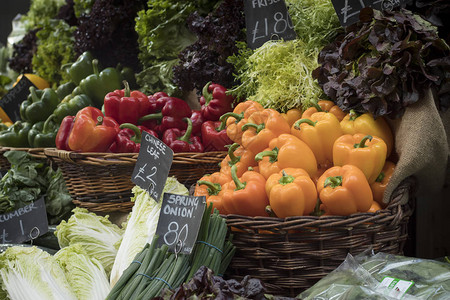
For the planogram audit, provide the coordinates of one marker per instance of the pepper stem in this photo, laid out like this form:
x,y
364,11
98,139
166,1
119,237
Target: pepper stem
x,y
233,158
239,185
155,116
95,66
316,105
273,155
223,118
380,177
126,90
258,127
333,182
99,120
137,137
286,179
206,94
187,135
213,188
270,211
362,144
301,121
34,96
353,115
47,122
317,211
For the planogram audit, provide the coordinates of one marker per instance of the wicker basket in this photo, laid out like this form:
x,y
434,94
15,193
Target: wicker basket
x,y
290,255
35,152
101,182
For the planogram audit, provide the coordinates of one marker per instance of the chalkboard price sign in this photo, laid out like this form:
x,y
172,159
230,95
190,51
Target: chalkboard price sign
x,y
152,166
179,221
10,103
267,20
24,224
348,10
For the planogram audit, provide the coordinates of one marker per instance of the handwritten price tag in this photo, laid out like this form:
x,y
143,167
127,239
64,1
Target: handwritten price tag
x,y
10,103
152,166
267,20
348,10
179,221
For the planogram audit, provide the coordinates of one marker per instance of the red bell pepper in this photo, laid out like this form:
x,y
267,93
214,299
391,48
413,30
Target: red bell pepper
x,y
62,137
181,140
126,106
92,132
214,136
128,140
215,102
197,121
173,110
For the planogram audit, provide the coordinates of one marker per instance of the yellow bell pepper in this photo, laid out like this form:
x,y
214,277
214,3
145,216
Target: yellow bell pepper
x,y
286,151
38,81
344,191
291,193
292,115
366,124
380,184
319,132
363,151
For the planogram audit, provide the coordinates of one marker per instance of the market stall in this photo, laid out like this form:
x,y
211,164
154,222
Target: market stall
x,y
223,149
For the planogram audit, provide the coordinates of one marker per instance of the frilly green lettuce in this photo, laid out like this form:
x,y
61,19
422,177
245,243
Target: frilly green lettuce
x,y
85,274
141,225
31,273
96,234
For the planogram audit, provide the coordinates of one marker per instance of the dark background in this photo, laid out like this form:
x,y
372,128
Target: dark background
x,y
9,9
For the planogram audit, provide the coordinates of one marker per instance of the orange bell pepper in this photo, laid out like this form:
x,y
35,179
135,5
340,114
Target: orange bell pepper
x,y
210,186
324,106
92,131
319,132
262,127
291,193
364,151
245,195
286,151
236,119
380,184
374,207
344,191
237,155
366,124
292,115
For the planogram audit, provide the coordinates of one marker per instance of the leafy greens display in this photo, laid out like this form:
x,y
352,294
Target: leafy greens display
x,y
385,63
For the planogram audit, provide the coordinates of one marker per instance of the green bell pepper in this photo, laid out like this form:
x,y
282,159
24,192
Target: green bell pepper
x,y
97,85
65,89
70,106
128,74
43,134
39,105
81,68
16,135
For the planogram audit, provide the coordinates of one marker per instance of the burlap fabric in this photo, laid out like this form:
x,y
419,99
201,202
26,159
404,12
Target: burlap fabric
x,y
422,144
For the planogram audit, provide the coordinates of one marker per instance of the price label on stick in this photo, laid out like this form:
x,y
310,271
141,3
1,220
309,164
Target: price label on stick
x,y
10,103
267,20
348,10
179,221
24,224
152,166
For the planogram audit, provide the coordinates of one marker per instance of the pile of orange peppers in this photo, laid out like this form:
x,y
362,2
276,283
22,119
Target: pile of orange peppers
x,y
322,161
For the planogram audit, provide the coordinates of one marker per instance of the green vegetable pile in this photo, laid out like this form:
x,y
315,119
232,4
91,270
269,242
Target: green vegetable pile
x,y
385,63
278,74
41,11
27,180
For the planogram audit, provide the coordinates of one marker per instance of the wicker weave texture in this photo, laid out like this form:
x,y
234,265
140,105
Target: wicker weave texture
x,y
102,181
290,255
35,152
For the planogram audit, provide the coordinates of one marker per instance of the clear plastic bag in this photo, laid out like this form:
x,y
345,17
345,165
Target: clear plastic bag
x,y
360,277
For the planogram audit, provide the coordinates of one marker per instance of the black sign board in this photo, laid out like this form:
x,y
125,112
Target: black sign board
x,y
24,224
152,166
179,221
10,103
267,20
348,10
